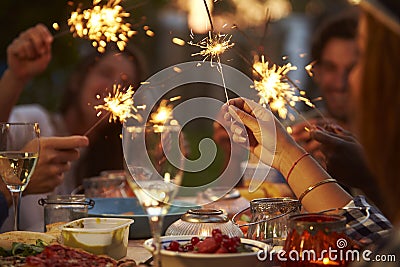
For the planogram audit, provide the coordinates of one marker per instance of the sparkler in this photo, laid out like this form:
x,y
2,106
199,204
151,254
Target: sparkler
x,y
275,89
102,24
119,104
214,45
164,111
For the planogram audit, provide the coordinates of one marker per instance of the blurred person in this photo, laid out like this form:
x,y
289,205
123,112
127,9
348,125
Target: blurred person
x,y
92,80
334,53
373,75
56,153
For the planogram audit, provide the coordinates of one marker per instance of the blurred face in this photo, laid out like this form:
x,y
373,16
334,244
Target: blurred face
x,y
109,70
331,75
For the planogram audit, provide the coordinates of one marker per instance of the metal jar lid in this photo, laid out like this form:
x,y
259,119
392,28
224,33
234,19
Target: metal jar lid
x,y
204,216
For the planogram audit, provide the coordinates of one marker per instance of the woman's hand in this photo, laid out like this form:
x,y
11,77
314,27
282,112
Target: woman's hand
x,y
30,53
266,136
56,154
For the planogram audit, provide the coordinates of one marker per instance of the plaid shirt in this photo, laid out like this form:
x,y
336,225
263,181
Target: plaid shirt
x,y
359,227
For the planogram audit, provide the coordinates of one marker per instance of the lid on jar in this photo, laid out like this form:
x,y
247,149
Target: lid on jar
x,y
66,200
204,216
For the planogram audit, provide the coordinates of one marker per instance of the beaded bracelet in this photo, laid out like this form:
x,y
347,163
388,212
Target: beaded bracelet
x,y
312,187
294,165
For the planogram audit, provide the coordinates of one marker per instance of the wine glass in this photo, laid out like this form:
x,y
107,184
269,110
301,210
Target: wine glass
x,y
154,159
19,152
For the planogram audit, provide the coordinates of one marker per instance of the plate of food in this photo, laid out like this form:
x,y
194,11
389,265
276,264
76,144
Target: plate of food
x,y
130,208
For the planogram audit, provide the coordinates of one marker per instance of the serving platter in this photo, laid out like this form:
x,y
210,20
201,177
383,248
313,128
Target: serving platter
x,y
130,208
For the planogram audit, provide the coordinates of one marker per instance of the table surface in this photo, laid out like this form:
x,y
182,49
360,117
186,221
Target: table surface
x,y
137,252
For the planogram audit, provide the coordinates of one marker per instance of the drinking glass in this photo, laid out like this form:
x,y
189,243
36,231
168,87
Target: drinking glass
x,y
19,152
154,159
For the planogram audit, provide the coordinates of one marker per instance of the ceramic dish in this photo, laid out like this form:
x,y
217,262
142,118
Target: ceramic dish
x,y
101,236
189,259
129,208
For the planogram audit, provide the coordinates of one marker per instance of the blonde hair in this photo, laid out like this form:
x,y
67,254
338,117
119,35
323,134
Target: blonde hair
x,y
379,111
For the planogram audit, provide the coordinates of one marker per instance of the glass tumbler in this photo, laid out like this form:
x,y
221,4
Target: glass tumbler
x,y
269,218
65,208
316,239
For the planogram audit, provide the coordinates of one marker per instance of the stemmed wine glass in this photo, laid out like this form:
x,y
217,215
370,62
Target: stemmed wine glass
x,y
19,152
154,159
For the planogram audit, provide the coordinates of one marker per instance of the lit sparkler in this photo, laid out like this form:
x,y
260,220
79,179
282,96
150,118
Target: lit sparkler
x,y
164,111
102,24
120,105
274,88
214,45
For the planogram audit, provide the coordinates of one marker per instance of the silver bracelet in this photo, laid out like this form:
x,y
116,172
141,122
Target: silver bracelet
x,y
312,187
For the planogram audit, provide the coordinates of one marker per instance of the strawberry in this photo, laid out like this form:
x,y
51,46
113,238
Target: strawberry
x,y
208,245
221,250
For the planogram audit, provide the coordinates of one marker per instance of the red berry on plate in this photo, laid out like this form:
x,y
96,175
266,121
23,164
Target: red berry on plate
x,y
232,249
222,250
216,231
174,246
208,245
236,240
189,247
218,238
194,240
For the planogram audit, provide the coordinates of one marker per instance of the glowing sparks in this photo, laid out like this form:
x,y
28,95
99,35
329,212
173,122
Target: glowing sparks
x,y
178,41
102,24
309,68
274,89
56,26
120,105
164,111
162,114
214,45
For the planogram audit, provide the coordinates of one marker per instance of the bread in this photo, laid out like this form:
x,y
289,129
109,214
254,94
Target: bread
x,y
55,230
27,237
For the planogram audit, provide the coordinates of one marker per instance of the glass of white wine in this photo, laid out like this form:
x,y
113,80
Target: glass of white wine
x,y
154,157
19,152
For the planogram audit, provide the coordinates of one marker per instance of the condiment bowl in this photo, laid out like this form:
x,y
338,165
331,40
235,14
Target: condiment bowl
x,y
101,236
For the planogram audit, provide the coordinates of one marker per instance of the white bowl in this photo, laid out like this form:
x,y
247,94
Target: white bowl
x,y
190,259
107,236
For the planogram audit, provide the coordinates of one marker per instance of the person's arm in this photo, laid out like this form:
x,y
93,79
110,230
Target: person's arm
x,y
285,155
27,56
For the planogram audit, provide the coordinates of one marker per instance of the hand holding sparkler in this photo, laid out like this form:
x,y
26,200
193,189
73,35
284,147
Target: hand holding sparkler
x,y
30,53
256,126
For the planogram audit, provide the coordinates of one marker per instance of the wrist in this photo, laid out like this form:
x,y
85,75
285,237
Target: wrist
x,y
289,155
16,79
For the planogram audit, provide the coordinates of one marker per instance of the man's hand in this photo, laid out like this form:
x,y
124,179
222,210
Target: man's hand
x,y
56,154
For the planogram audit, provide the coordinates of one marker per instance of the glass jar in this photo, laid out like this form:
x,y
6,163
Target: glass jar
x,y
269,218
65,208
316,240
